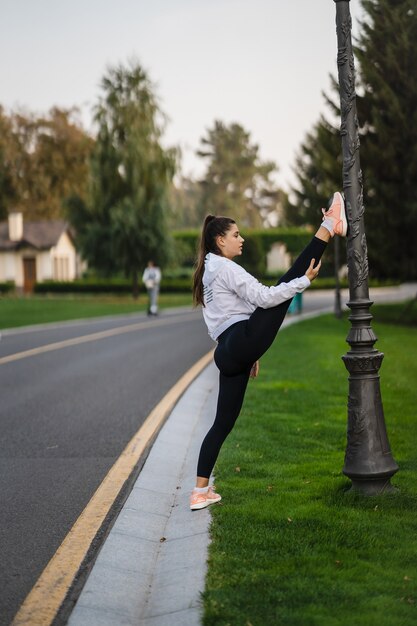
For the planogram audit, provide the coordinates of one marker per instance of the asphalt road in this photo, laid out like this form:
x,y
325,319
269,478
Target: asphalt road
x,y
65,417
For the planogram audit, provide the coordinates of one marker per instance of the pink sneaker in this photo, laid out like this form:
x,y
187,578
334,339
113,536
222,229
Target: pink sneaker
x,y
336,213
201,500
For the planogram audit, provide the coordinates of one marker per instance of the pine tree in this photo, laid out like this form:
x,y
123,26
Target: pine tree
x,y
386,61
237,183
319,172
387,54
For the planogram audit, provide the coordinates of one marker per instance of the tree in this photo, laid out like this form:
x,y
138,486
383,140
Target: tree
x,y
42,161
319,172
184,200
61,161
386,52
123,224
387,110
7,187
237,183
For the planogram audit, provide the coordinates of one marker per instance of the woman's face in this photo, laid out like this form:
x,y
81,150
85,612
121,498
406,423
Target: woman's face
x,y
230,244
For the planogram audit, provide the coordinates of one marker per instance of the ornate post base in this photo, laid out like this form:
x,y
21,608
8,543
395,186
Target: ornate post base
x,y
372,487
368,460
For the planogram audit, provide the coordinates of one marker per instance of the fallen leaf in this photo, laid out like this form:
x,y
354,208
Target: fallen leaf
x,y
237,469
269,488
289,519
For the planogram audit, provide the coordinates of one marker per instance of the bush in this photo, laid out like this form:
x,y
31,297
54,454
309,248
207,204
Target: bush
x,y
7,287
84,286
257,245
254,257
175,284
186,247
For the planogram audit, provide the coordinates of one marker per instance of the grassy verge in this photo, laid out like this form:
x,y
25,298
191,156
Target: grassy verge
x,y
290,545
42,309
404,314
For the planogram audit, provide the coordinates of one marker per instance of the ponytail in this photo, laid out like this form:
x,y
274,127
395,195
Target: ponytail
x,y
213,227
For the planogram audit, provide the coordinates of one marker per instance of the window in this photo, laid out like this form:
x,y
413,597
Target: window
x,y
61,268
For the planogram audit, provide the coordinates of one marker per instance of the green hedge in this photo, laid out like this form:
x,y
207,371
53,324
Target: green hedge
x,y
257,245
295,239
7,287
83,286
111,286
179,284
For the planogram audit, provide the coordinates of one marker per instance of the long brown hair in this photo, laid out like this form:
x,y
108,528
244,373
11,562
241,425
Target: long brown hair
x,y
213,227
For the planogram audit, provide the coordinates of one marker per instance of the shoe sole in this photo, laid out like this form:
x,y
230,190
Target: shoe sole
x,y
203,505
342,214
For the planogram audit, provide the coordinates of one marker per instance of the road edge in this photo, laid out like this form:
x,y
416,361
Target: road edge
x,y
54,585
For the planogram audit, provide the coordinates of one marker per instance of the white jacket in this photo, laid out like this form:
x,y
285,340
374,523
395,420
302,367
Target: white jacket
x,y
151,277
231,294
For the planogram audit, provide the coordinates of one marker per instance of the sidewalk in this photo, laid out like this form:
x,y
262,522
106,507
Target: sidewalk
x,y
151,568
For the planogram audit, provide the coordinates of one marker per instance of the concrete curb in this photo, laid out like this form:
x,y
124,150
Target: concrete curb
x,y
151,569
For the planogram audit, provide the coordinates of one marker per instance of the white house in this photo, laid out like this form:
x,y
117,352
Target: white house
x,y
36,251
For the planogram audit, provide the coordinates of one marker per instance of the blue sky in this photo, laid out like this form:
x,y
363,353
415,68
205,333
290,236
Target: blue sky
x,y
261,63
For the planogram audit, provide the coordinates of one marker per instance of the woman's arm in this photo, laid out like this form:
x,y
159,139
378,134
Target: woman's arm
x,y
248,288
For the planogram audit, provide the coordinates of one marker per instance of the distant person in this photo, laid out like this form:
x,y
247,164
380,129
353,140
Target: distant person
x,y
152,278
244,317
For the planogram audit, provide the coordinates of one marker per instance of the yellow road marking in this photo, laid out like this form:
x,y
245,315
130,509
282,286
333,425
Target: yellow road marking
x,y
120,330
43,602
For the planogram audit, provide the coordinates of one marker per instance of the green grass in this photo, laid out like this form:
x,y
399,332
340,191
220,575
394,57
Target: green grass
x,y
289,545
404,314
26,311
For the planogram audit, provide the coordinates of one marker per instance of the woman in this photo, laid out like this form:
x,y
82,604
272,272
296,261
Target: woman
x,y
244,317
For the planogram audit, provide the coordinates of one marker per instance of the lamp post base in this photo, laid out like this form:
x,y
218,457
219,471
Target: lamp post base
x,y
372,487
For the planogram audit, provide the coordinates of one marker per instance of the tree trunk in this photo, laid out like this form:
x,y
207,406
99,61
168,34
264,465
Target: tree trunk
x,y
135,285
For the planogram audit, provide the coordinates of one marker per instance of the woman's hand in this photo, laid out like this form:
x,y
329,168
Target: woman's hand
x,y
312,271
255,370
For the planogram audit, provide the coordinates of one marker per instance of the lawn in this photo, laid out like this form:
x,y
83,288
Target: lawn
x,y
290,546
25,311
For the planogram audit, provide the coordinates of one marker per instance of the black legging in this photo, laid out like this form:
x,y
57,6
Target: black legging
x,y
239,347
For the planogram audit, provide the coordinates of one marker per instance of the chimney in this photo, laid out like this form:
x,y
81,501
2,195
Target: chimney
x,y
15,226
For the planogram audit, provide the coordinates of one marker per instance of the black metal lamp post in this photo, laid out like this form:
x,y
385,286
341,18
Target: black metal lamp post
x,y
368,460
337,298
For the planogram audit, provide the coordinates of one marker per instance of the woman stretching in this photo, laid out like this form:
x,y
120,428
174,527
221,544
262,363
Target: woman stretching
x,y
244,317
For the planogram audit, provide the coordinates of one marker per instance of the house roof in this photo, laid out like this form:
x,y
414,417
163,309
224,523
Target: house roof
x,y
41,235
